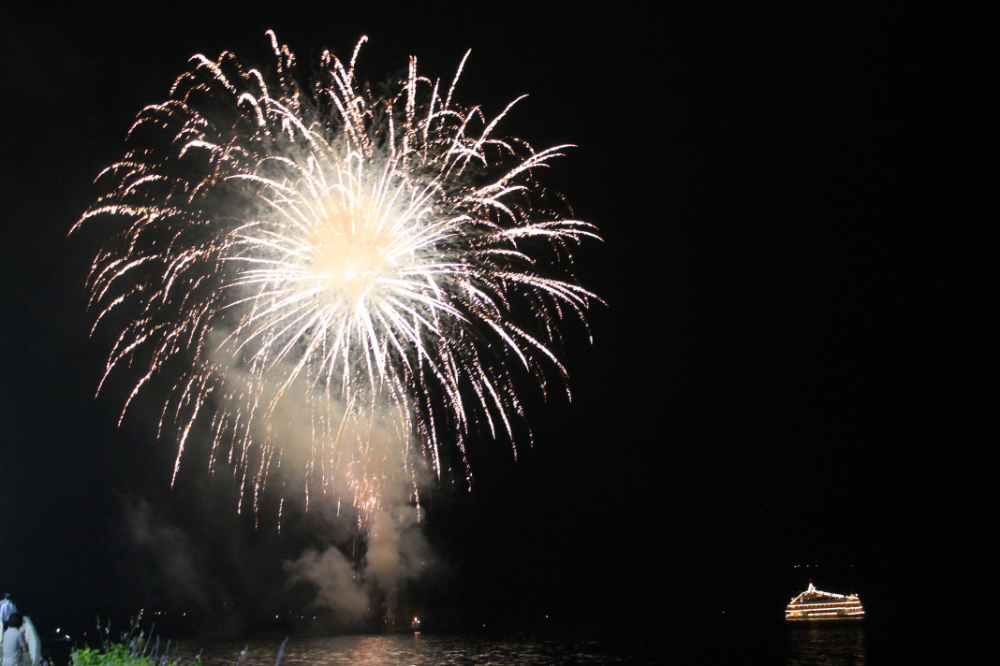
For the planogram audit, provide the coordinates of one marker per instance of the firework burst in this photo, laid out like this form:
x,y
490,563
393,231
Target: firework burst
x,y
373,268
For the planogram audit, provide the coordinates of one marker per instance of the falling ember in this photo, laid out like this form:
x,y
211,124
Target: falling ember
x,y
373,267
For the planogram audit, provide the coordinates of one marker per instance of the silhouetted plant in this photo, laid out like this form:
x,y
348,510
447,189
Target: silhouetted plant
x,y
132,650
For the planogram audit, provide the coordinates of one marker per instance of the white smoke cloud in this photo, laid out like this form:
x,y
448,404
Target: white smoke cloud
x,y
340,586
173,554
397,549
398,552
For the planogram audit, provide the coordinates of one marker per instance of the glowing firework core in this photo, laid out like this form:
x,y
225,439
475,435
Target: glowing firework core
x,y
371,266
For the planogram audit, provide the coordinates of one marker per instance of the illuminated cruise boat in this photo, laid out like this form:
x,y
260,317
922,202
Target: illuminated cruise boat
x,y
815,605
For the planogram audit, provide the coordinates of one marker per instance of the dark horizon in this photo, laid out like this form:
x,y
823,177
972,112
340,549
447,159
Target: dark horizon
x,y
794,366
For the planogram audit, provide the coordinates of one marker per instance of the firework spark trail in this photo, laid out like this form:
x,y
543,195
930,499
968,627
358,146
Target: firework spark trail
x,y
373,262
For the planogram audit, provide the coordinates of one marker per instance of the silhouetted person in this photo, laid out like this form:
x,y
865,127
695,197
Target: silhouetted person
x,y
7,608
14,645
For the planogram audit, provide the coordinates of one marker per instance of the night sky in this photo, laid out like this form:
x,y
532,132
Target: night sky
x,y
799,211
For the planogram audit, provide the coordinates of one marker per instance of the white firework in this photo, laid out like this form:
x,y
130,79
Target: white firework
x,y
376,264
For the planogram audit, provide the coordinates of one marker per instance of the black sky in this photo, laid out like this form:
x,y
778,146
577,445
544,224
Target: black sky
x,y
799,208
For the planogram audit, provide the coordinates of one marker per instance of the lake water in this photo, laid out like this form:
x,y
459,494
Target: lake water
x,y
412,650
826,644
843,645
800,644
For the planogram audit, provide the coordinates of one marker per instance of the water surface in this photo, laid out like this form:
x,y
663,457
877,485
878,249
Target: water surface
x,y
409,650
778,643
826,644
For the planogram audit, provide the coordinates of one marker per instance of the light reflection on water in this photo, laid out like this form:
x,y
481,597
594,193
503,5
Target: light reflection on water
x,y
805,644
826,644
406,650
